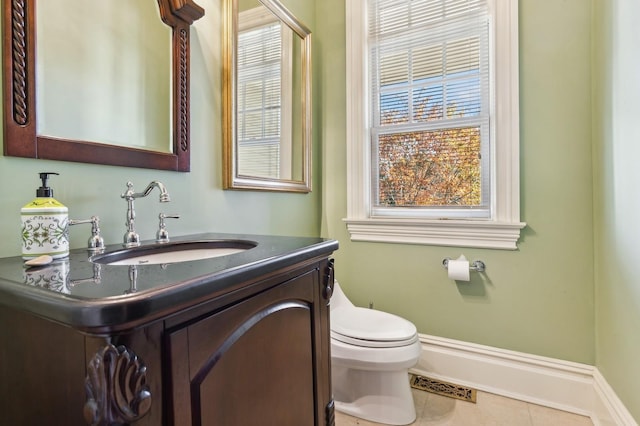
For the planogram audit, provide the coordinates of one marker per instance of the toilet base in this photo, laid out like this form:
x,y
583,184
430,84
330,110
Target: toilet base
x,y
377,396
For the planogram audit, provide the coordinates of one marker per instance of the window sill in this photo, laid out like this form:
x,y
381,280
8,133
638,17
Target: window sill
x,y
453,233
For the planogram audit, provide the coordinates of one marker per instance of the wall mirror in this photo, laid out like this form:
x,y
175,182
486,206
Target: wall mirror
x,y
102,82
267,97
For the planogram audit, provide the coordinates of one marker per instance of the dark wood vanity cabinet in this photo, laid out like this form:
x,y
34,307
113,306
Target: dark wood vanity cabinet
x,y
262,361
254,354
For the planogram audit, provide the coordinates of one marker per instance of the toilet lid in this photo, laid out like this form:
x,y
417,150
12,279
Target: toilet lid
x,y
371,328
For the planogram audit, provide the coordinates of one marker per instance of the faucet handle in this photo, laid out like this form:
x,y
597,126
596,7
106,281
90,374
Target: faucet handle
x,y
96,242
162,236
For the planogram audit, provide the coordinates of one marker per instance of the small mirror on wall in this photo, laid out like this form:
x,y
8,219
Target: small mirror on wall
x,y
267,92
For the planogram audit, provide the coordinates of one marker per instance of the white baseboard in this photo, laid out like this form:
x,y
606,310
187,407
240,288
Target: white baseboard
x,y
568,386
607,404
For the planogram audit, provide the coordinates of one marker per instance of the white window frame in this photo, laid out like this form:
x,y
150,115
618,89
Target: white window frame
x,y
502,229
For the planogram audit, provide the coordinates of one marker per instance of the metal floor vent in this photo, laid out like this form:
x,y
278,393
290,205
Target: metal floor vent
x,y
442,388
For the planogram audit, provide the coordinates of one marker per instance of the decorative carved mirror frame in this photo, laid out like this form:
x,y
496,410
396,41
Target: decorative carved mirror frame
x,y
19,81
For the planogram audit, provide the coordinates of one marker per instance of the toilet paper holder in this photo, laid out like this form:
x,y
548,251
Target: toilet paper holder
x,y
476,265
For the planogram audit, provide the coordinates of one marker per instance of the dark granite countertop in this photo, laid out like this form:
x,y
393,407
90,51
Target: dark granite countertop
x,y
100,298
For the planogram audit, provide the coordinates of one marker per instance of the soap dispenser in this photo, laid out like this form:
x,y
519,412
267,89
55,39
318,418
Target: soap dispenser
x,y
45,224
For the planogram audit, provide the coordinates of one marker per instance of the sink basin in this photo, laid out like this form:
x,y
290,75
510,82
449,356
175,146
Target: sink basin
x,y
181,251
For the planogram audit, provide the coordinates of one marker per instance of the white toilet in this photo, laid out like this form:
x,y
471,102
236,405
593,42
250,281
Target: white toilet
x,y
371,352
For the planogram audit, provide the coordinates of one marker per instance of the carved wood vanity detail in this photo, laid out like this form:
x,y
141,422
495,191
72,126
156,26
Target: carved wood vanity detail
x,y
116,386
234,348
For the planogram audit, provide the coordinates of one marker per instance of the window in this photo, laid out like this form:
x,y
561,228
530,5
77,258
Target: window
x,y
263,95
433,122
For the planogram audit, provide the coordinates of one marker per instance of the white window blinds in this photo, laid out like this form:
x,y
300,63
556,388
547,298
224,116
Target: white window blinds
x,y
259,100
430,107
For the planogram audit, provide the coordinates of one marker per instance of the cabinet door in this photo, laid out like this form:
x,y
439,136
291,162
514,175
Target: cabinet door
x,y
253,363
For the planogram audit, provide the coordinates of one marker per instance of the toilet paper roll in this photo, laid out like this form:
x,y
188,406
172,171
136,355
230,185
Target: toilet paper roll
x,y
459,269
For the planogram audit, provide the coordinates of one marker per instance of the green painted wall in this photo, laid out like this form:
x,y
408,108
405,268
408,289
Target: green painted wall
x,y
197,196
616,139
572,290
541,299
538,299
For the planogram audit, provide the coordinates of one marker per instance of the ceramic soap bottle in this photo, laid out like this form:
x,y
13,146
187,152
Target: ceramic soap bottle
x,y
45,224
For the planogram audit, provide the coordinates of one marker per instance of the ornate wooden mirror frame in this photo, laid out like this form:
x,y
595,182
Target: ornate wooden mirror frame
x,y
19,70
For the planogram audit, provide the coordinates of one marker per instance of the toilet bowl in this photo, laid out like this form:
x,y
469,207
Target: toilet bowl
x,y
371,352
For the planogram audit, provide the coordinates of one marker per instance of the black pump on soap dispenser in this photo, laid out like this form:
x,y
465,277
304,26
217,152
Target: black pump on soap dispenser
x,y
45,224
45,191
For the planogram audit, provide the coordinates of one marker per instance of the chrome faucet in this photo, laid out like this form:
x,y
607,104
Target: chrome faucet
x,y
131,238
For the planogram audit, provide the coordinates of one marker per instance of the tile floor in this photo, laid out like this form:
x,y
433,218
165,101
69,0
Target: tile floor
x,y
489,409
